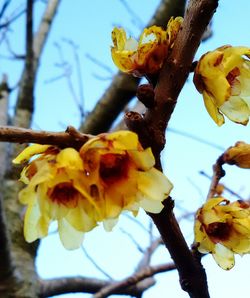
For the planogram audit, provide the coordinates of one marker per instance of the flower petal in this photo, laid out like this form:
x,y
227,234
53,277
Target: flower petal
x,y
154,184
224,257
236,110
30,151
70,237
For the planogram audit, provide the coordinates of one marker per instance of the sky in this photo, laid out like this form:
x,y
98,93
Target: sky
x,y
89,24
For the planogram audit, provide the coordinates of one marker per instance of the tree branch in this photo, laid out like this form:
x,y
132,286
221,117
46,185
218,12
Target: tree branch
x,y
152,127
133,279
25,101
132,285
70,138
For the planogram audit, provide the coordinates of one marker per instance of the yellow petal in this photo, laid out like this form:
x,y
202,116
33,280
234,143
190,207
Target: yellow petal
x,y
144,160
224,257
35,225
151,206
69,158
30,151
236,110
123,140
70,237
80,220
238,154
212,109
108,224
154,185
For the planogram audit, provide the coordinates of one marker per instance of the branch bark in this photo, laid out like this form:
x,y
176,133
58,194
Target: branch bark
x,y
36,43
70,138
151,130
132,285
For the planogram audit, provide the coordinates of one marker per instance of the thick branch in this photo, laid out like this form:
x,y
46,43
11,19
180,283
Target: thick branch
x,y
70,138
83,285
151,130
6,267
123,87
132,285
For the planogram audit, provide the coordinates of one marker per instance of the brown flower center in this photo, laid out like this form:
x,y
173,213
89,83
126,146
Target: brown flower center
x,y
64,193
232,75
218,231
113,167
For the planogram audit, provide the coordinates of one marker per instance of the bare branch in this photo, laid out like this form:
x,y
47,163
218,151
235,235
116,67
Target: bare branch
x,y
25,103
70,138
133,279
218,173
235,194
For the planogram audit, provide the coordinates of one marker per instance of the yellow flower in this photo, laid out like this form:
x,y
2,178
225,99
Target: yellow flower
x,y
121,176
223,228
55,191
146,56
238,155
223,78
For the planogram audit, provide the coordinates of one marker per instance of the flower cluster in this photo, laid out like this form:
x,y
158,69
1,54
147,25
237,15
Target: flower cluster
x,y
146,56
222,229
78,189
223,78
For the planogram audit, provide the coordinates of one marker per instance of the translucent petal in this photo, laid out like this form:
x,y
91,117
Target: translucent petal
x,y
154,185
28,152
223,256
80,220
108,224
144,160
119,38
70,237
151,206
27,195
236,110
34,226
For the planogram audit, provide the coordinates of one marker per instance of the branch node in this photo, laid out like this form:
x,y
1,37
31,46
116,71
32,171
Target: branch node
x,y
146,95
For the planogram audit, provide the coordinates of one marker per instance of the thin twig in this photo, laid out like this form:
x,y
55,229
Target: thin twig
x,y
95,264
218,173
235,194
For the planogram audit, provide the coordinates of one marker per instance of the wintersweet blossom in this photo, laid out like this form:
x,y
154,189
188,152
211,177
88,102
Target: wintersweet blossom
x,y
112,173
121,176
55,191
147,55
238,155
223,78
222,229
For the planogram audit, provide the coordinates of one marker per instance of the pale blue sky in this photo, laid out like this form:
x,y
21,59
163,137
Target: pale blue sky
x,y
88,24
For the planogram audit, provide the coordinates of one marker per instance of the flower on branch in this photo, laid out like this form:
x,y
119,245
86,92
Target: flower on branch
x,y
238,155
223,78
146,56
222,229
112,173
121,176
